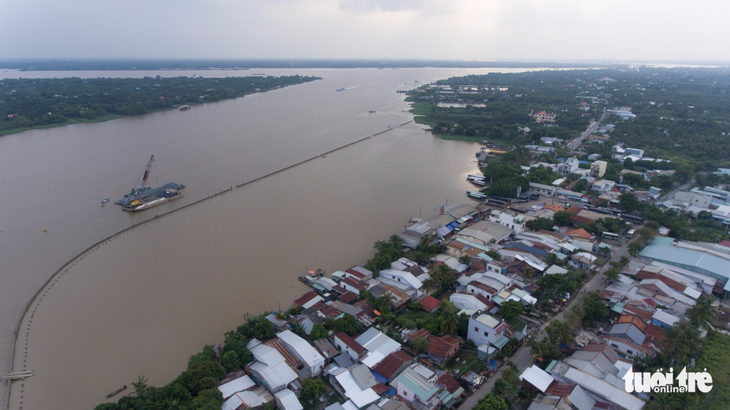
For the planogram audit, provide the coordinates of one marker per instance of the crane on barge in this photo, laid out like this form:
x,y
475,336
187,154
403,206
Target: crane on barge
x,y
145,176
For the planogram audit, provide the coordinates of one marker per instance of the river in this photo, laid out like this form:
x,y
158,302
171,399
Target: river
x,y
145,301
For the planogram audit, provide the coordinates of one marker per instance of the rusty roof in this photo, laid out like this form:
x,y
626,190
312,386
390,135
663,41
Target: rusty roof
x,y
392,362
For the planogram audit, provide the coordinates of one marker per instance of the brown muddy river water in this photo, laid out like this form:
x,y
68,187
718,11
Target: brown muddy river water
x,y
143,302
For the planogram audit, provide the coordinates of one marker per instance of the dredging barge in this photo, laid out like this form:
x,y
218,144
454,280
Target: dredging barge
x,y
144,197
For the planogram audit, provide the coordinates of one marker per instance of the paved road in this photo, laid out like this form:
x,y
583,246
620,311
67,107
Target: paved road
x,y
572,145
522,358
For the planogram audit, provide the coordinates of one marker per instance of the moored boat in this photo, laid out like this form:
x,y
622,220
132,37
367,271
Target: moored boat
x,y
104,201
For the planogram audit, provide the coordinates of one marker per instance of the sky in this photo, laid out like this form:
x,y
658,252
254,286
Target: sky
x,y
585,30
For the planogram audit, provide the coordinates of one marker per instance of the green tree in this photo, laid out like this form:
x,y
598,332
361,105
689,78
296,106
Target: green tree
x,y
635,248
702,314
205,355
593,307
540,224
312,390
491,402
494,254
231,362
544,349
318,331
385,302
629,202
560,332
510,309
449,318
347,324
581,185
419,344
140,387
208,399
612,274
682,340
562,218
235,342
202,376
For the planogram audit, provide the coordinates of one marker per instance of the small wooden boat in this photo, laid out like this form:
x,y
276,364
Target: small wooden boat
x,y
117,391
104,201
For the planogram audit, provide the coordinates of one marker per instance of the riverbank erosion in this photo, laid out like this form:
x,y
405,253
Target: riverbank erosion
x,y
145,300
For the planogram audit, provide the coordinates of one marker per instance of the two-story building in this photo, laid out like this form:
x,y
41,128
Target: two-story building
x,y
485,329
509,219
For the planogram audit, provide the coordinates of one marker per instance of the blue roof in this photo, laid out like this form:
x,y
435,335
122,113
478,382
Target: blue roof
x,y
694,261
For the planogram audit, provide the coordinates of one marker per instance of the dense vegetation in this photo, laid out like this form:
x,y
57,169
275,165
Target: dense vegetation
x,y
682,114
26,103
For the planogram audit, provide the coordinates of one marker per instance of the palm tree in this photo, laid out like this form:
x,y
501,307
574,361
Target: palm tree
x,y
703,313
430,285
682,340
386,301
449,319
552,259
140,387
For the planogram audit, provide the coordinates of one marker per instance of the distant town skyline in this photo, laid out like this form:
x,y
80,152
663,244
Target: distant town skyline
x,y
649,30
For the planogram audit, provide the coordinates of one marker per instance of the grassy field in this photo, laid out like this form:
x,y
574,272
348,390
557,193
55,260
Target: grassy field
x,y
466,360
715,358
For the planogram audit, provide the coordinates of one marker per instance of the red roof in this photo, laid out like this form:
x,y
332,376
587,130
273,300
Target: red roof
x,y
580,233
669,282
380,389
439,347
447,381
365,306
603,349
305,298
418,333
646,316
430,303
354,283
356,274
350,342
559,389
483,287
326,310
348,297
388,366
635,320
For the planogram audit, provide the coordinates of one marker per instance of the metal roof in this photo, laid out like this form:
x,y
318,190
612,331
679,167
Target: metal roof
x,y
580,399
488,320
628,329
304,350
537,377
694,261
288,400
235,386
604,390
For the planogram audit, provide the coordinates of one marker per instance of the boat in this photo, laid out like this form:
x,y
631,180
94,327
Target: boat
x,y
144,197
117,391
340,89
371,112
184,107
104,201
312,277
476,194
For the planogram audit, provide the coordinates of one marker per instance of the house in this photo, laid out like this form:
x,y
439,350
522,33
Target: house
x,y
312,361
629,339
307,300
544,190
345,343
536,379
603,185
484,329
479,288
327,349
417,385
568,167
598,169
392,366
509,219
402,280
542,116
451,392
287,400
234,386
465,301
270,368
555,270
378,346
360,273
248,399
353,285
430,304
485,232
357,389
441,349
407,265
